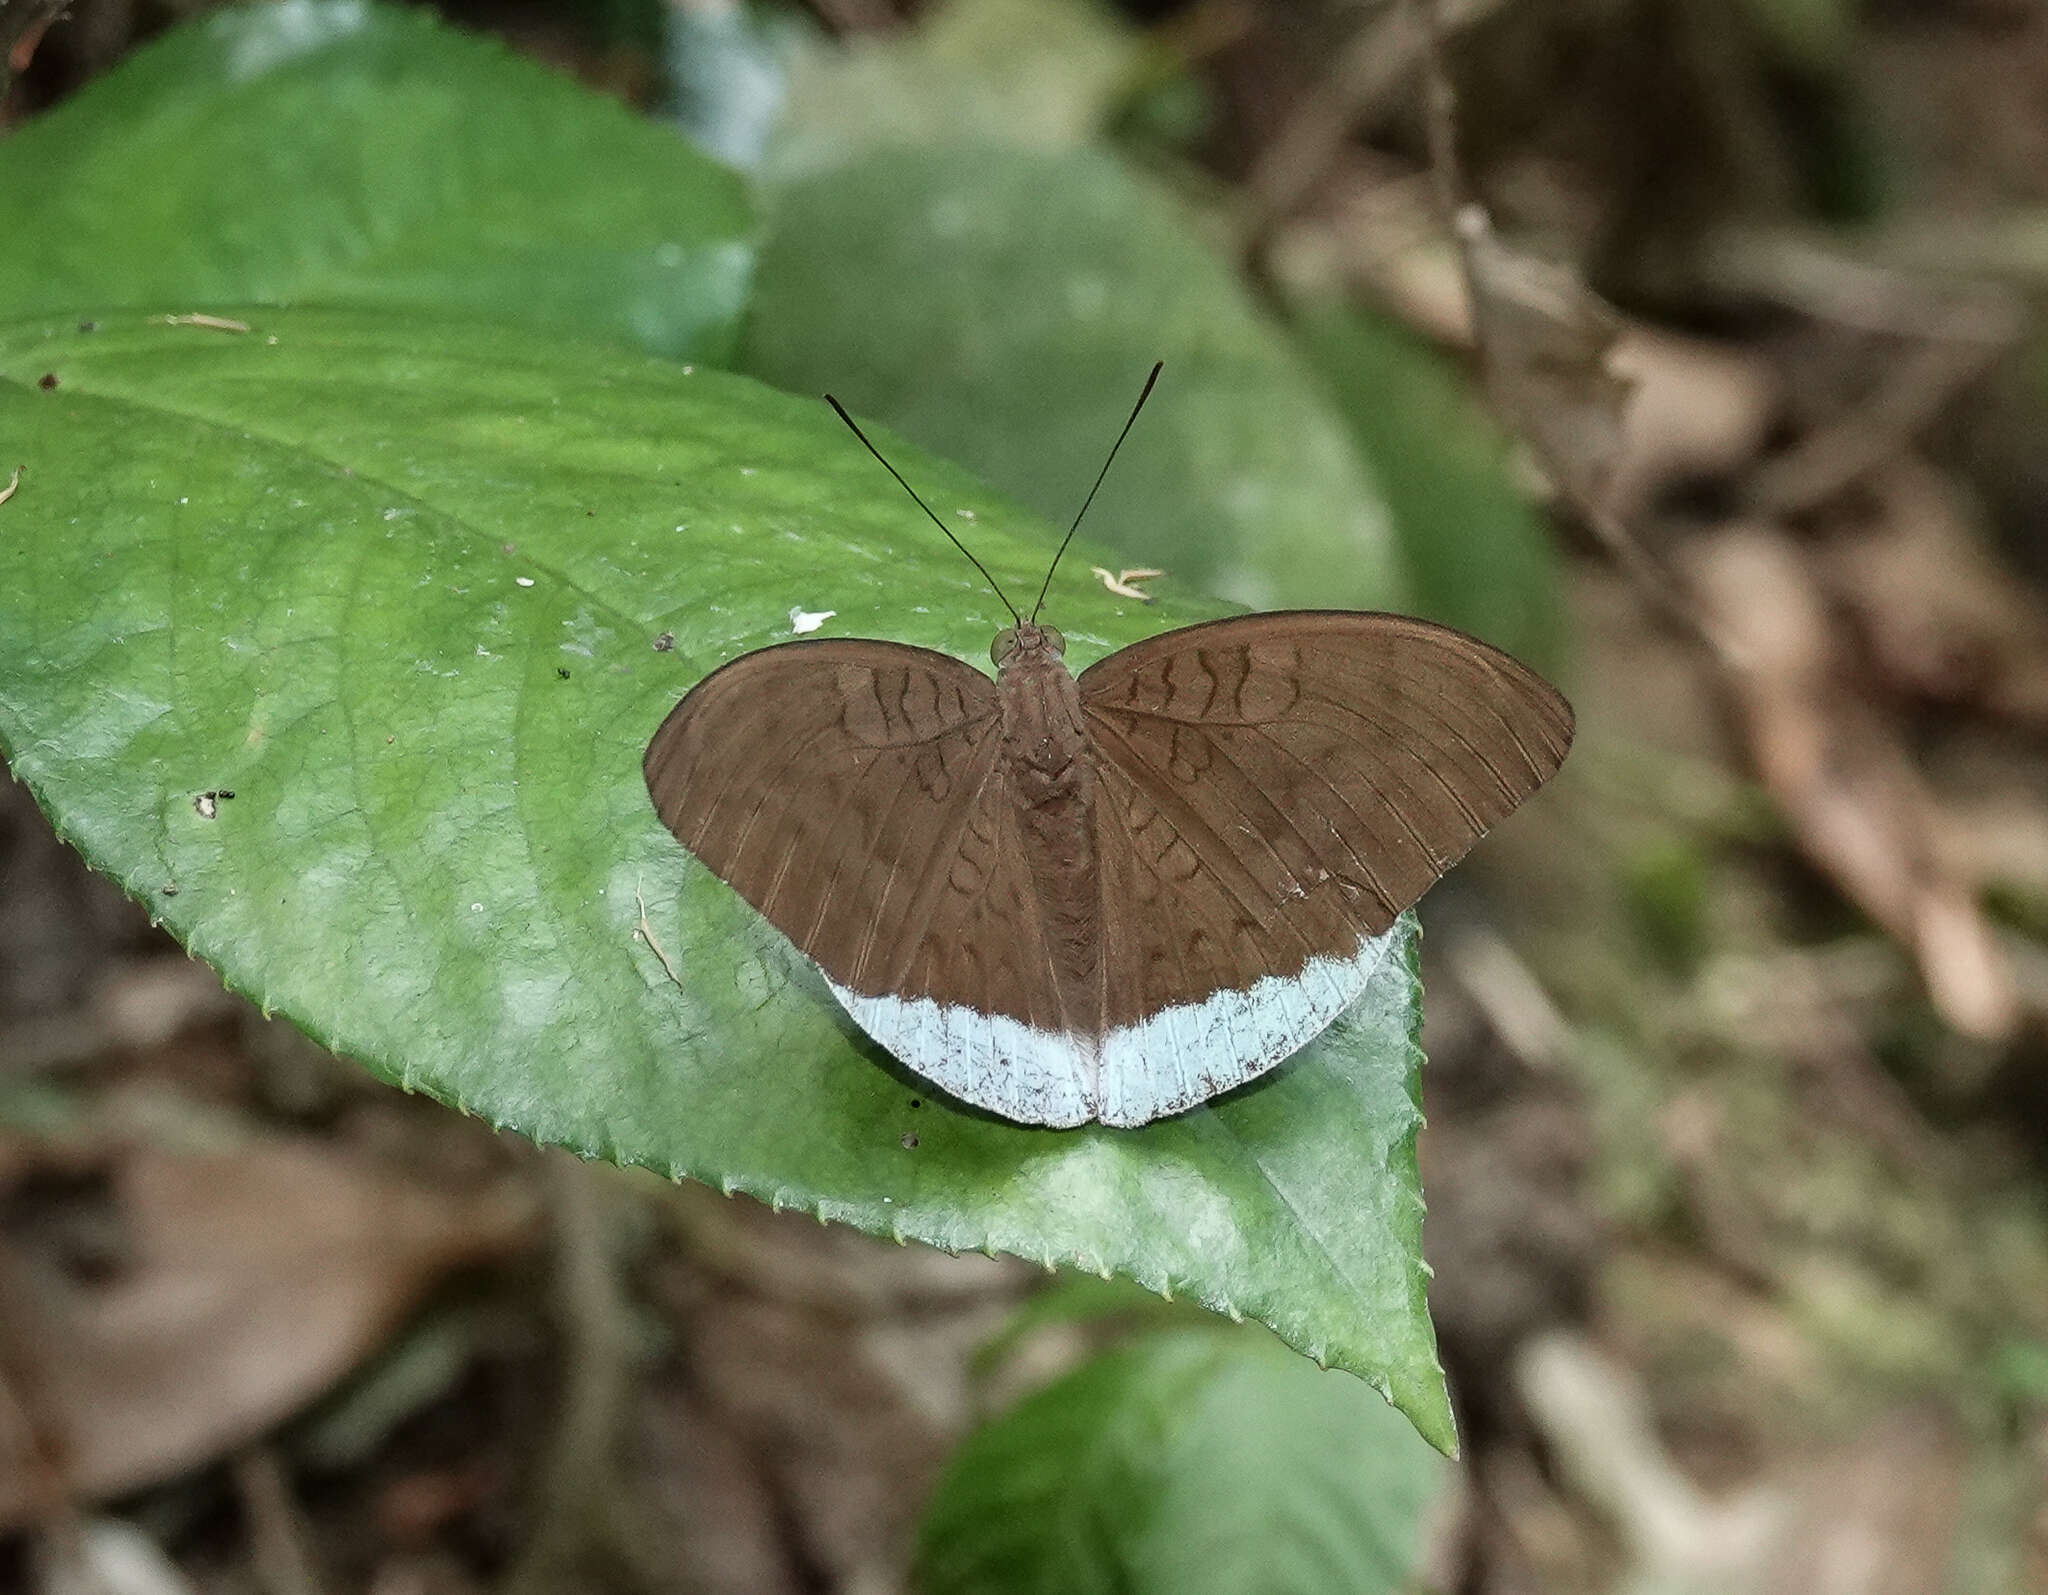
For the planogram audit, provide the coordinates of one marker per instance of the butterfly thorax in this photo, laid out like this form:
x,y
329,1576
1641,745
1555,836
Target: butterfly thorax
x,y
1051,776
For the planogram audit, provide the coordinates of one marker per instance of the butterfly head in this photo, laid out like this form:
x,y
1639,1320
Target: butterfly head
x,y
1015,644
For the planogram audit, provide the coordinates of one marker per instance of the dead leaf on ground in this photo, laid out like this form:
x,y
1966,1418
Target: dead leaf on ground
x,y
1383,234
1694,410
236,1288
1878,1515
1937,612
1853,798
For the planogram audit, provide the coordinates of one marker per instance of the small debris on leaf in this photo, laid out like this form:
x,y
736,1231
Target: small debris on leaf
x,y
1124,582
201,319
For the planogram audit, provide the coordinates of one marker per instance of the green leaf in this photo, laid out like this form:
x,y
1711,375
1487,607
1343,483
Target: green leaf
x,y
1001,307
1039,73
1185,1463
337,151
1480,556
396,584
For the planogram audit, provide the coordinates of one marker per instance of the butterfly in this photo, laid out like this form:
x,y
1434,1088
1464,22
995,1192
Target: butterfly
x,y
1109,896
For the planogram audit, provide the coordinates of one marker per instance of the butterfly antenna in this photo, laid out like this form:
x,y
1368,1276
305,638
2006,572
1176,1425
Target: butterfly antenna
x,y
1143,394
839,410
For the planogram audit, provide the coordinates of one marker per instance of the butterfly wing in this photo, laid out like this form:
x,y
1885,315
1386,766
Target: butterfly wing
x,y
849,790
1273,791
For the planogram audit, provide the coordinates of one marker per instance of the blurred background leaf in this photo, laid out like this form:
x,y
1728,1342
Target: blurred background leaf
x,y
325,151
1033,74
1190,1461
1002,306
1480,556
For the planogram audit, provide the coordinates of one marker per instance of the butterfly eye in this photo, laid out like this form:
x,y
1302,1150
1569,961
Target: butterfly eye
x,y
1004,645
1053,640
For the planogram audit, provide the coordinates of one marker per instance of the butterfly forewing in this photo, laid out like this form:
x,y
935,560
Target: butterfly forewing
x,y
1274,791
834,785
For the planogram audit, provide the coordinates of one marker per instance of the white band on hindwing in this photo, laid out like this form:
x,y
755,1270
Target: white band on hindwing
x,y
1159,1066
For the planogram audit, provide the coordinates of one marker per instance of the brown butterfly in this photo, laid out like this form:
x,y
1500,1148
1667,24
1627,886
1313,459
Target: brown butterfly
x,y
1110,896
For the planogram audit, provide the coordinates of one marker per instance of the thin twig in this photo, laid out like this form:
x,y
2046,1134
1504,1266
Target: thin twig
x,y
278,1549
1472,233
575,1512
845,17
13,482
21,26
1371,66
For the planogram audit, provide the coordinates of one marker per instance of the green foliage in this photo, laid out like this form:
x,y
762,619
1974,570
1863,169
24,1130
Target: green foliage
x,y
1002,306
1039,74
1188,1462
350,153
396,583
392,574
1665,882
1477,551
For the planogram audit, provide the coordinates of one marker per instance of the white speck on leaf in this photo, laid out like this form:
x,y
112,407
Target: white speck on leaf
x,y
803,620
522,581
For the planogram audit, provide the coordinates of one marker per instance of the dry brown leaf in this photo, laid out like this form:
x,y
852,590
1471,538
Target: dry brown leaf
x,y
1595,1416
1384,235
243,1285
1878,1515
1939,615
1853,798
1694,410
